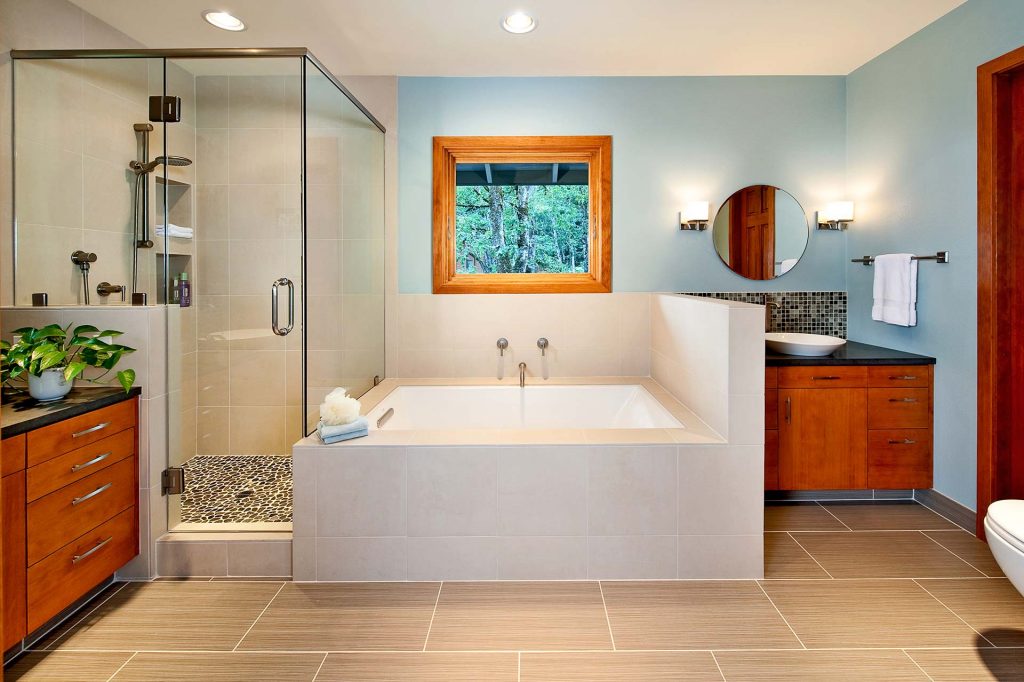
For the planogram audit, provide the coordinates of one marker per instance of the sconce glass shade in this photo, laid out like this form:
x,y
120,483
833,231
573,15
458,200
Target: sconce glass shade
x,y
836,215
696,211
839,211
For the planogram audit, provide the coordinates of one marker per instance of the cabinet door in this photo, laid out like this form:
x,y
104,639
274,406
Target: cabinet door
x,y
822,438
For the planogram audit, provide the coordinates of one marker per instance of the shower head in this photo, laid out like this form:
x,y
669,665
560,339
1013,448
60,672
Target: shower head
x,y
141,168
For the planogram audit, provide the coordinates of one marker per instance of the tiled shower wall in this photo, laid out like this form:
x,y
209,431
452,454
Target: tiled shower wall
x,y
807,312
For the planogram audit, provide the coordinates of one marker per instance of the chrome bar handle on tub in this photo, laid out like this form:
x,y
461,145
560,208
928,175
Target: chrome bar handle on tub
x,y
282,331
385,417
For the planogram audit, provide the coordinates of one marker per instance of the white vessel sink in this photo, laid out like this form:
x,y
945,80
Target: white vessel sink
x,y
816,345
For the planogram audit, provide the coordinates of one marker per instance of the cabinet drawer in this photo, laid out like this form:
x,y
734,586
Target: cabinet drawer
x,y
71,434
67,574
73,466
12,454
899,408
60,517
911,376
771,460
771,409
771,377
900,458
823,377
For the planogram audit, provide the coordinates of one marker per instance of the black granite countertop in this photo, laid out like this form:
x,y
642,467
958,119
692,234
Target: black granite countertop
x,y
21,413
853,353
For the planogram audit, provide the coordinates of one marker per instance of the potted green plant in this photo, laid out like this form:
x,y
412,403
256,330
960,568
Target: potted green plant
x,y
51,358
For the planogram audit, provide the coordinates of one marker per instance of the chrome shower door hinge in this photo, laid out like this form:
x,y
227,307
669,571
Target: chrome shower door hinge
x,y
173,481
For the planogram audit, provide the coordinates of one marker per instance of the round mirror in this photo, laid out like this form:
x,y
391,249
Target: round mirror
x,y
760,232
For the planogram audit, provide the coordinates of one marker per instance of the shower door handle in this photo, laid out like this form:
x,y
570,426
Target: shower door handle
x,y
282,331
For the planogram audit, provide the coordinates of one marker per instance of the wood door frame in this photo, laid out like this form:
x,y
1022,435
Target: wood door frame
x,y
996,251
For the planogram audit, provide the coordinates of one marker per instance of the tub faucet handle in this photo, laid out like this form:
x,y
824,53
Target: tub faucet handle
x,y
542,343
502,345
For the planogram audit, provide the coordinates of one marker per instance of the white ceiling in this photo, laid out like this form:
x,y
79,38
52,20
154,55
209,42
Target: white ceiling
x,y
573,37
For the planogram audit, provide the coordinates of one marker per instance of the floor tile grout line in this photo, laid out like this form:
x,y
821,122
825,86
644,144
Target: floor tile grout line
x,y
121,667
607,618
914,661
715,659
257,619
320,667
829,512
808,553
772,602
980,572
433,613
85,614
916,582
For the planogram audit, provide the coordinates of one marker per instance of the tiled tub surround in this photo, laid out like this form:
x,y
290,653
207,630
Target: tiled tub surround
x,y
808,312
533,504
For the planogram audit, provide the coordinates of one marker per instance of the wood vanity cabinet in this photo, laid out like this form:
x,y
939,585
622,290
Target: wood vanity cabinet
x,y
70,506
848,427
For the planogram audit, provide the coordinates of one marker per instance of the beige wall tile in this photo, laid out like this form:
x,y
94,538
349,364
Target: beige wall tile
x,y
259,431
257,378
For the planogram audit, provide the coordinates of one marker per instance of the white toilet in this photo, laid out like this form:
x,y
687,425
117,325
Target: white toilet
x,y
1004,528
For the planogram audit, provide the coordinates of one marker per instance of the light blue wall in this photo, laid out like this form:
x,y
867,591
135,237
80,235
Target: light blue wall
x,y
912,155
673,138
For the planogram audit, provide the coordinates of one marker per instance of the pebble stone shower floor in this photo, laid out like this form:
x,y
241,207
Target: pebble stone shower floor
x,y
237,489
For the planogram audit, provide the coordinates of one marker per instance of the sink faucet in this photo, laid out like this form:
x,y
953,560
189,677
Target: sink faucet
x,y
522,374
769,303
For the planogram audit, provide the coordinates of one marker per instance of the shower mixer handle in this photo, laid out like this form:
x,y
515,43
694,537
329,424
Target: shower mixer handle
x,y
106,289
83,259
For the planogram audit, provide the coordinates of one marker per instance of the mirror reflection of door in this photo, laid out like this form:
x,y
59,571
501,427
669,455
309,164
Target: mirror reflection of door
x,y
760,232
752,232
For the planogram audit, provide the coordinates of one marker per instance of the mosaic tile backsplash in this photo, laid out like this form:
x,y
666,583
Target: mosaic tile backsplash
x,y
807,312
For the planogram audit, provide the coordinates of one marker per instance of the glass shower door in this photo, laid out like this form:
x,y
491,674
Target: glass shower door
x,y
344,244
239,405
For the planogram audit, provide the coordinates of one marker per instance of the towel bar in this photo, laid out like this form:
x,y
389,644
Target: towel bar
x,y
941,257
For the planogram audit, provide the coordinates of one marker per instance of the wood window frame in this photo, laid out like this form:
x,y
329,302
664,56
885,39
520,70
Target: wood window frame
x,y
595,150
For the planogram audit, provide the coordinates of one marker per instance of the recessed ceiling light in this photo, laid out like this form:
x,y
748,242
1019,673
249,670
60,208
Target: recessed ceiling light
x,y
224,20
518,22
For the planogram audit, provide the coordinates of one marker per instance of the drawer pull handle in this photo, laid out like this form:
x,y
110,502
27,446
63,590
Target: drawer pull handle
x,y
903,377
829,378
94,493
905,441
85,555
902,400
91,429
94,460
789,410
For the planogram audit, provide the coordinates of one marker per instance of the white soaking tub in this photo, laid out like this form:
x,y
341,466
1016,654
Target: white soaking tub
x,y
608,406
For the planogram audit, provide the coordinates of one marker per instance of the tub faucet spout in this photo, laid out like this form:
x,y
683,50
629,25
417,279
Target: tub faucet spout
x,y
522,374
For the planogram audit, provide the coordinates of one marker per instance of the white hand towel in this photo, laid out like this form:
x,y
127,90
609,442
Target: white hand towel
x,y
895,289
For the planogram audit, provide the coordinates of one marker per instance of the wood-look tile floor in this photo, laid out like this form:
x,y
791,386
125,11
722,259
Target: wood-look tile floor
x,y
851,592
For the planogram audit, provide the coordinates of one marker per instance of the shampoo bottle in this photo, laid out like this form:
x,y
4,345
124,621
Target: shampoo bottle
x,y
185,291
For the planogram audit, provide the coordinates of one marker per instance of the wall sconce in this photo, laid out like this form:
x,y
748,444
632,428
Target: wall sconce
x,y
695,215
837,215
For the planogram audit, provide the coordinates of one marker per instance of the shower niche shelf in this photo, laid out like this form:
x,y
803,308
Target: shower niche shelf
x,y
178,263
179,212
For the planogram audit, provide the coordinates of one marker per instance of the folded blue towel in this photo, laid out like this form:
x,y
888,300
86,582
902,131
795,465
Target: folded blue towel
x,y
333,434
345,436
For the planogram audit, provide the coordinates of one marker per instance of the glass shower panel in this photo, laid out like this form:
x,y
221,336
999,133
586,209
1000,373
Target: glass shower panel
x,y
75,133
344,244
240,365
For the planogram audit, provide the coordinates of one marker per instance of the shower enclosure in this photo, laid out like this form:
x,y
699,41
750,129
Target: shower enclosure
x,y
258,179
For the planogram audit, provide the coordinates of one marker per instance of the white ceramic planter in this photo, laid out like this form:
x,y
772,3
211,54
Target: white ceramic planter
x,y
49,386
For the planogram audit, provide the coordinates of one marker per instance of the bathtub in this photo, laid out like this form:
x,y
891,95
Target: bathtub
x,y
511,407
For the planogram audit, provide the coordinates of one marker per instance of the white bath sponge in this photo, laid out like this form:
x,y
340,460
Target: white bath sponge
x,y
339,408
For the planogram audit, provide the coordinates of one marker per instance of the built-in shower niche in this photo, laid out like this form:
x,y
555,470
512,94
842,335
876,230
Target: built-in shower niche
x,y
179,250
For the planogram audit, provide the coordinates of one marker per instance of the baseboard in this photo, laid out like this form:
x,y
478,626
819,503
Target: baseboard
x,y
836,495
951,509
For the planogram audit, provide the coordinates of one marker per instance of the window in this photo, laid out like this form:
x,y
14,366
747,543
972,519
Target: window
x,y
522,214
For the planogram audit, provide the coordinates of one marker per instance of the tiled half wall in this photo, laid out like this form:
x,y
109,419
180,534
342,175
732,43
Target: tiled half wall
x,y
808,312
